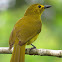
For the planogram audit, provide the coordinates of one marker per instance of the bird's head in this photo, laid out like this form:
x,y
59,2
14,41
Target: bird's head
x,y
36,9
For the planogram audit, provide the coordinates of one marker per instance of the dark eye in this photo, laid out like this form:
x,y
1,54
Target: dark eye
x,y
39,6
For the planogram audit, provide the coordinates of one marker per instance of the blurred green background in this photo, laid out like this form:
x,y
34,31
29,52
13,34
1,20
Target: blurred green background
x,y
50,36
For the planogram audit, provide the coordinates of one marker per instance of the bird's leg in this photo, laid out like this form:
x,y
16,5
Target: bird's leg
x,y
33,46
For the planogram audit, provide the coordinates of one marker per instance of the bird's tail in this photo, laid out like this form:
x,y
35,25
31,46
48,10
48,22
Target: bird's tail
x,y
18,54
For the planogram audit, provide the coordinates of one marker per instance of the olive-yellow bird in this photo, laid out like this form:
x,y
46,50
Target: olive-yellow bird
x,y
25,31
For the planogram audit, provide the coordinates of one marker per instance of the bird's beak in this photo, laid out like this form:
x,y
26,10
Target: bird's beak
x,y
47,6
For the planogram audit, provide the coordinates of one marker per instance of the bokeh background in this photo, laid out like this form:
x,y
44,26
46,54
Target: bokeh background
x,y
50,36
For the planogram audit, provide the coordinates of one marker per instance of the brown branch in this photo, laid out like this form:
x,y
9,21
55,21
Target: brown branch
x,y
40,52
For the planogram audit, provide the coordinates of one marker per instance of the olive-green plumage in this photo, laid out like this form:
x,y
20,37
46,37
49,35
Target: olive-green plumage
x,y
25,31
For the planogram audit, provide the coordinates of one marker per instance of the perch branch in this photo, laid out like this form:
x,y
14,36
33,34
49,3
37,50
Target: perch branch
x,y
40,52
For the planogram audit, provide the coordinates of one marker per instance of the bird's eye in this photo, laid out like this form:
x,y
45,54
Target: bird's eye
x,y
39,6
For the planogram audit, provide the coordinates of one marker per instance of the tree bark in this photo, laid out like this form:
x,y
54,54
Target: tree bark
x,y
29,51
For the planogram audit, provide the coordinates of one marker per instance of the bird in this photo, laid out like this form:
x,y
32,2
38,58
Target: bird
x,y
26,31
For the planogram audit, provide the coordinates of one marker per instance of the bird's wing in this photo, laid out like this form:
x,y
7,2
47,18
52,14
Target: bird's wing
x,y
26,30
12,38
